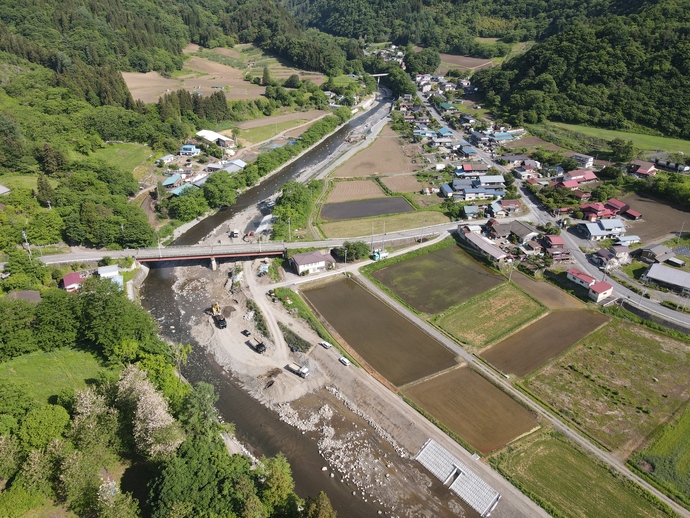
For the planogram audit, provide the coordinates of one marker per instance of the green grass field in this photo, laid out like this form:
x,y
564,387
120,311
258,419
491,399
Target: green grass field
x,y
125,156
619,385
48,373
569,483
635,269
667,459
362,227
490,316
261,133
645,142
21,181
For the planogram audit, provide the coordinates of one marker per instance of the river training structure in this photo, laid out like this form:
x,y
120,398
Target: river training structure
x,y
478,494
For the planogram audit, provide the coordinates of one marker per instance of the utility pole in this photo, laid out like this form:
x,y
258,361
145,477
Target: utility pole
x,y
680,236
28,246
345,262
372,237
289,230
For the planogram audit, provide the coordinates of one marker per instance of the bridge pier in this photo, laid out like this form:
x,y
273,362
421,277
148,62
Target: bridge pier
x,y
214,264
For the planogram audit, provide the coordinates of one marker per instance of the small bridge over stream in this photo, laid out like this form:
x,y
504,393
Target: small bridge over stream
x,y
212,252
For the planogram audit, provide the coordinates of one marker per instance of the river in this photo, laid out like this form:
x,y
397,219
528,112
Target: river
x,y
256,426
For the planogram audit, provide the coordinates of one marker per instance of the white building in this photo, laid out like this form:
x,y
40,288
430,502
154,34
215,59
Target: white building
x,y
585,161
311,262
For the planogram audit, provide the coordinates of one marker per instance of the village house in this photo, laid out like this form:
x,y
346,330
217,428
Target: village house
x,y
605,258
580,278
523,173
190,150
32,296
580,176
584,161
172,181
497,211
582,195
513,160
471,211
602,229
4,190
523,232
481,245
627,240
659,254
215,138
600,291
312,262
555,248
667,277
596,211
510,206
165,159
617,206
642,169
72,281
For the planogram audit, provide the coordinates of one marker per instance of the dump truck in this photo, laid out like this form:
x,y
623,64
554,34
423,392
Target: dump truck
x,y
259,347
298,369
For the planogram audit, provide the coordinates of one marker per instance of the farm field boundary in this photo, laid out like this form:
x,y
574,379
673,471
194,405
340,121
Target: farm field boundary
x,y
393,223
365,208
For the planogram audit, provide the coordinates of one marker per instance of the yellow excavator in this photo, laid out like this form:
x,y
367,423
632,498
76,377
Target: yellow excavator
x,y
218,316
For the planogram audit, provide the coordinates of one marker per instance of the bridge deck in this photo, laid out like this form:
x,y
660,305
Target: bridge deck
x,y
182,253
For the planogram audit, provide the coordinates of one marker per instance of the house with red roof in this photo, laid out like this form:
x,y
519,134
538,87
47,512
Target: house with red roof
x,y
580,278
72,281
580,176
600,291
596,211
566,184
617,206
555,248
642,169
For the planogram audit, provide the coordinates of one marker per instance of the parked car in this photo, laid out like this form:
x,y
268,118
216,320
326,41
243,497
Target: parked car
x,y
344,361
325,345
246,332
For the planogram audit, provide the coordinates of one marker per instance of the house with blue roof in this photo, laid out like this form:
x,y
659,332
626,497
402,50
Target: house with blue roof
x,y
444,132
172,181
182,189
471,211
189,150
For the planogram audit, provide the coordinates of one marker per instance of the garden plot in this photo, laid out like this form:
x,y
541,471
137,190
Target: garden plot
x,y
658,218
546,293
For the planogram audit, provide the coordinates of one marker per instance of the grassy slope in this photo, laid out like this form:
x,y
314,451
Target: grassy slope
x,y
645,142
126,156
261,133
49,373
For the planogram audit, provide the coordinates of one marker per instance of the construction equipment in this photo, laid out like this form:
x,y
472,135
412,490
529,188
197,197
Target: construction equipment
x,y
218,316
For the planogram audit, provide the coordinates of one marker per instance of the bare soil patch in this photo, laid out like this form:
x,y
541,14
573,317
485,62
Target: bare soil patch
x,y
385,156
387,341
465,61
547,294
365,208
150,86
232,53
355,190
402,183
266,121
532,141
536,344
658,218
472,407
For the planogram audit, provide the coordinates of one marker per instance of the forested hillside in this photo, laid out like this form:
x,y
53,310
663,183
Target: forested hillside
x,y
621,72
450,26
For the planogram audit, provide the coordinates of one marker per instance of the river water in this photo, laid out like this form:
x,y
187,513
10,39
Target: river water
x,y
256,426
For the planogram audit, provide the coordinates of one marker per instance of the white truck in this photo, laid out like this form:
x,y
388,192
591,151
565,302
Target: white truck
x,y
298,369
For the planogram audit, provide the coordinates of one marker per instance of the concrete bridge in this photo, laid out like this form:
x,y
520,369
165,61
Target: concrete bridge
x,y
212,252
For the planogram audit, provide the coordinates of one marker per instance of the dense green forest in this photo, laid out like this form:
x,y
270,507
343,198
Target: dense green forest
x,y
137,415
451,26
622,72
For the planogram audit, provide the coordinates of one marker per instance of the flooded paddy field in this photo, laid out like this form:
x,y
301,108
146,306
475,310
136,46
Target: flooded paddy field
x,y
438,280
472,407
365,208
390,343
533,346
